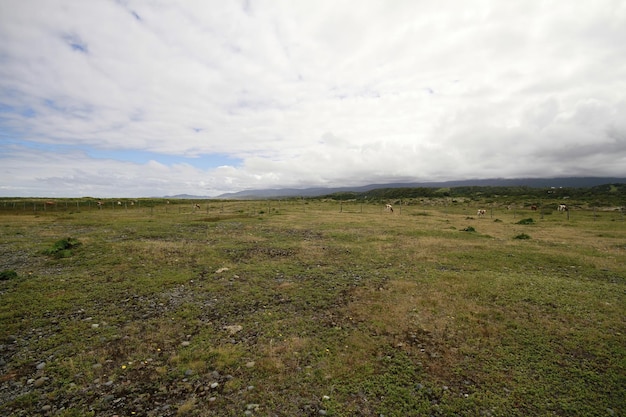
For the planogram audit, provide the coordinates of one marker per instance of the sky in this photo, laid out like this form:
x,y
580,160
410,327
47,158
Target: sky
x,y
138,98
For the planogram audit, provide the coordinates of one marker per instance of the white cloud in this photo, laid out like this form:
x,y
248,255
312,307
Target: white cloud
x,y
307,93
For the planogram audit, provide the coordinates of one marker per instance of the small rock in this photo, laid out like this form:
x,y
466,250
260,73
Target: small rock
x,y
250,364
325,397
219,271
214,385
95,326
41,365
40,381
185,343
232,329
46,408
212,399
322,412
189,372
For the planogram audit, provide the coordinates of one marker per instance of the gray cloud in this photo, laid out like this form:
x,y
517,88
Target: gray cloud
x,y
307,93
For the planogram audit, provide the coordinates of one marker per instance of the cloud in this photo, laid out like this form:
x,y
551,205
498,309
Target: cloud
x,y
305,94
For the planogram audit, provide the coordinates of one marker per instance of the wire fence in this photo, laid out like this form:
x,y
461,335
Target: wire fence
x,y
271,207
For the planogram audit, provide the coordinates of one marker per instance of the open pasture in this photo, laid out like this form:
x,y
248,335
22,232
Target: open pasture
x,y
311,307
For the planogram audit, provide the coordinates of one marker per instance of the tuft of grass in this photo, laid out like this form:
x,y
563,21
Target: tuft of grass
x,y
526,221
469,229
522,236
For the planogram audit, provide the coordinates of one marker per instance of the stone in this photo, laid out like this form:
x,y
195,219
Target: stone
x,y
39,382
232,329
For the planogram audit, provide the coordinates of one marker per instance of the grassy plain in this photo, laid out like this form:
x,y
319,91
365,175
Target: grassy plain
x,y
311,308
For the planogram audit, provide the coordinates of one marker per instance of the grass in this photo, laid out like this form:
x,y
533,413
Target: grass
x,y
303,308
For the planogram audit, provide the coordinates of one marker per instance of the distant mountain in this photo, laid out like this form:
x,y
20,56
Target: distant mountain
x,y
568,182
186,197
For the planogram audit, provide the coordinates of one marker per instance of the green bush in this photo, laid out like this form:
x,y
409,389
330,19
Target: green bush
x,y
469,229
522,236
7,275
526,221
62,248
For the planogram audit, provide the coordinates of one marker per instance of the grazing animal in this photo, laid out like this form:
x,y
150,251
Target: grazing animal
x,y
562,207
197,206
100,204
389,208
119,203
481,212
50,203
533,208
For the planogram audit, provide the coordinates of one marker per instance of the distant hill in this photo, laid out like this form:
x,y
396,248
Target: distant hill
x,y
568,182
186,197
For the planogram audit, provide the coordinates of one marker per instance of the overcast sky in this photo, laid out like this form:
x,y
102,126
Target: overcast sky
x,y
151,98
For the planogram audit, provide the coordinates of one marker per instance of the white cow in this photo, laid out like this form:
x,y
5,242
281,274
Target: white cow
x,y
563,207
389,208
481,212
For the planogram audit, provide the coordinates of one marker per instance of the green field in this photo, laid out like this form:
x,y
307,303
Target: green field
x,y
311,307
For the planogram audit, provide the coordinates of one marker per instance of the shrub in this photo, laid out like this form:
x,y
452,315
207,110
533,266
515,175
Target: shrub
x,y
522,236
469,229
526,221
62,248
7,275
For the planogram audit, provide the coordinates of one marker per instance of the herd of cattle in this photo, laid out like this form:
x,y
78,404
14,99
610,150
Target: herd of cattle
x,y
560,207
388,207
482,212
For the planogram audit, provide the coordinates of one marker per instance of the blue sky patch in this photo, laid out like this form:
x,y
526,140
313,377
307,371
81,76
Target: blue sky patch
x,y
133,156
76,43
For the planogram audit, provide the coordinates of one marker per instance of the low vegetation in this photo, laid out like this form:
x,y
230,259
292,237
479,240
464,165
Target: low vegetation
x,y
312,307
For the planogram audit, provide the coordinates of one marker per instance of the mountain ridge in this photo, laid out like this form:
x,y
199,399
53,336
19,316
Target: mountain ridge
x,y
562,182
